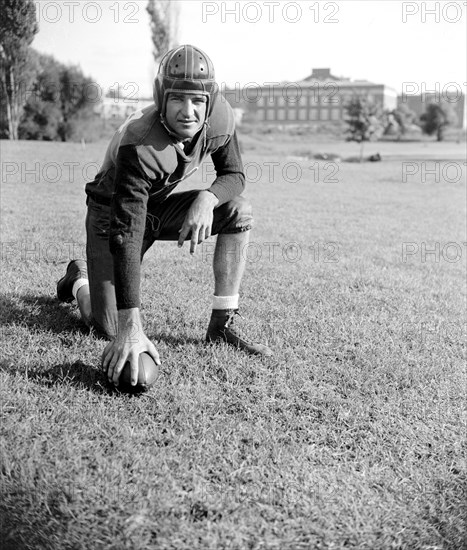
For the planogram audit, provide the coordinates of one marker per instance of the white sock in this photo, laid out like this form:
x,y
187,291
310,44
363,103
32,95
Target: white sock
x,y
77,285
225,302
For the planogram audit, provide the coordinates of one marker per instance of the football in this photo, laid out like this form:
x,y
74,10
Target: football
x,y
147,375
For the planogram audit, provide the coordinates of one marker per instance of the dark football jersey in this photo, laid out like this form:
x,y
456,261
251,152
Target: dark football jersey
x,y
143,164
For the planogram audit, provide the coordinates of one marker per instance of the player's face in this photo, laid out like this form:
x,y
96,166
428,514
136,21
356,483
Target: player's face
x,y
185,113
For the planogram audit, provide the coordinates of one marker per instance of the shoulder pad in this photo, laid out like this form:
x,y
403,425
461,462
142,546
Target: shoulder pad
x,y
144,131
137,125
222,120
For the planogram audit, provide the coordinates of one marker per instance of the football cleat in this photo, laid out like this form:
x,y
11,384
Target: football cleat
x,y
221,329
76,269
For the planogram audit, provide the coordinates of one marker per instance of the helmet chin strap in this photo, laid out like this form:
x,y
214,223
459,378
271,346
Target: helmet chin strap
x,y
169,130
178,138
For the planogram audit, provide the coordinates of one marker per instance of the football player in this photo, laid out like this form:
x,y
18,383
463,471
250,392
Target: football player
x,y
131,204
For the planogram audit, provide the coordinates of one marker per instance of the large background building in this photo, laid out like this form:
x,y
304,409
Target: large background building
x,y
321,97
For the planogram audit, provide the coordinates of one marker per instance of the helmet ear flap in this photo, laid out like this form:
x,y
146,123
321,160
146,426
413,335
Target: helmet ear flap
x,y
155,93
160,93
213,95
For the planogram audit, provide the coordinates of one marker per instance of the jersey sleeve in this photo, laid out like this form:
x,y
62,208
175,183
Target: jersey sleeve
x,y
230,178
127,225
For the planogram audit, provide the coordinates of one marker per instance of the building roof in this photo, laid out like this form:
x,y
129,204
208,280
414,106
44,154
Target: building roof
x,y
321,74
325,76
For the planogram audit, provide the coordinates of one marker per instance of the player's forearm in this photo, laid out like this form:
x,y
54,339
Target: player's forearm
x,y
127,277
230,181
126,253
228,186
129,323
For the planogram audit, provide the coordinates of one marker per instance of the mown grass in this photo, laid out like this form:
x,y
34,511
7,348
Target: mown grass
x,y
352,436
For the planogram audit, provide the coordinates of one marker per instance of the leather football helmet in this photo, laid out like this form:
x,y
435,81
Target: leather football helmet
x,y
189,70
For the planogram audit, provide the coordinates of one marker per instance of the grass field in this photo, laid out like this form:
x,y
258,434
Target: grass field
x,y
352,436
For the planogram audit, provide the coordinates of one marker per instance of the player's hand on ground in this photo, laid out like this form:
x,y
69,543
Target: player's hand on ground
x,y
198,220
129,343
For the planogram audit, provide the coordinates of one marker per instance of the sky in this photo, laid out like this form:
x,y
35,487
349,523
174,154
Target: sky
x,y
409,46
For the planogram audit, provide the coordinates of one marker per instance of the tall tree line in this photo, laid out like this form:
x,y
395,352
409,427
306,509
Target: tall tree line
x,y
18,26
41,98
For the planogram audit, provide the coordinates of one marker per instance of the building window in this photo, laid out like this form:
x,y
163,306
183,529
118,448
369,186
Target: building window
x,y
335,114
313,114
302,114
270,114
291,114
281,114
261,114
324,114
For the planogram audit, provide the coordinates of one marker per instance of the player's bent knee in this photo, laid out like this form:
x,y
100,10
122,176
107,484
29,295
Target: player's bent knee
x,y
243,207
238,214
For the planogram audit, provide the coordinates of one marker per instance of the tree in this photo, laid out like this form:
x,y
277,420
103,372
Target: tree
x,y
164,15
364,121
18,26
60,98
77,99
436,118
399,120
